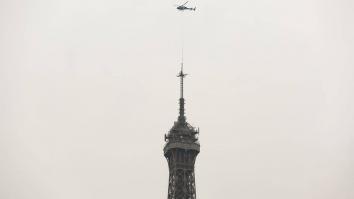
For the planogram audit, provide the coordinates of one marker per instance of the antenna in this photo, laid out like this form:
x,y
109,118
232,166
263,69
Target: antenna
x,y
181,75
182,56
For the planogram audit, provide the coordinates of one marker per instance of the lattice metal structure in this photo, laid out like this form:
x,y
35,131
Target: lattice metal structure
x,y
181,150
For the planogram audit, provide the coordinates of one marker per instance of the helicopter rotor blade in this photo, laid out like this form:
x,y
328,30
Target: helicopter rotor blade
x,y
185,3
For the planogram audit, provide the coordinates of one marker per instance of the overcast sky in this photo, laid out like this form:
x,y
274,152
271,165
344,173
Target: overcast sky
x,y
88,89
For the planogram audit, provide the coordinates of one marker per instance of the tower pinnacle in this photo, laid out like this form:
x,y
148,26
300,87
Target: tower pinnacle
x,y
181,150
181,117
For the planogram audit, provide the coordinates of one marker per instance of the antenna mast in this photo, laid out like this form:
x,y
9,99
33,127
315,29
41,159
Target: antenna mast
x,y
181,75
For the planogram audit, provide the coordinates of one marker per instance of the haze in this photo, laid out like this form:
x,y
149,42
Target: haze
x,y
89,88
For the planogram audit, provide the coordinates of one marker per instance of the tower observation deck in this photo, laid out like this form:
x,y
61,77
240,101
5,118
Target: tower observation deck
x,y
181,150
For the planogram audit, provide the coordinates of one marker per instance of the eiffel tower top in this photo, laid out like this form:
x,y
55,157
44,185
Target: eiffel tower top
x,y
182,134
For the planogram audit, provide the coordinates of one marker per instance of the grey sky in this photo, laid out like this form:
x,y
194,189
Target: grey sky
x,y
88,89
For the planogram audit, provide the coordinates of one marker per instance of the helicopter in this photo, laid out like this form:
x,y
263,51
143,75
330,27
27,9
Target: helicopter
x,y
183,7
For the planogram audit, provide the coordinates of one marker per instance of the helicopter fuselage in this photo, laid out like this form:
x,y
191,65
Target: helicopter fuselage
x,y
184,8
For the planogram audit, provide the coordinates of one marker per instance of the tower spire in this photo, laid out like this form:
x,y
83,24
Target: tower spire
x,y
181,150
181,75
